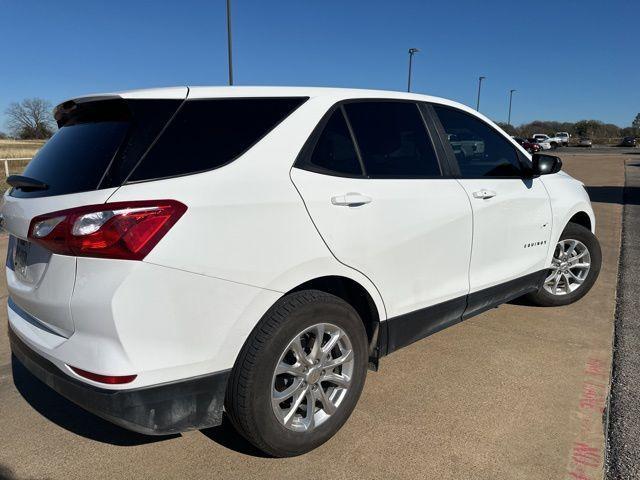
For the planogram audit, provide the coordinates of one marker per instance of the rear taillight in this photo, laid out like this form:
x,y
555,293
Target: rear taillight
x,y
123,230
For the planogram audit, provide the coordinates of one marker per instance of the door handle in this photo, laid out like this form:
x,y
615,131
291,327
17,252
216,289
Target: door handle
x,y
351,199
484,194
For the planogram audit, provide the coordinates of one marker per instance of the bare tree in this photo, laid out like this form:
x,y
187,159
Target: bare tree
x,y
30,118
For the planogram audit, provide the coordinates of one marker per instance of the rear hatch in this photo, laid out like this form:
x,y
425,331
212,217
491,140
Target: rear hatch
x,y
99,142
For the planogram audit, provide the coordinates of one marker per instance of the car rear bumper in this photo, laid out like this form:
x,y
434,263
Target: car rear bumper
x,y
163,409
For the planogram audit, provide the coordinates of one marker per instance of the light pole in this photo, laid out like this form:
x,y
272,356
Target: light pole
x,y
229,42
480,79
412,52
510,99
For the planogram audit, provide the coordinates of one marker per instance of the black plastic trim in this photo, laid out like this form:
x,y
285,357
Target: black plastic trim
x,y
411,327
478,302
163,409
448,164
403,330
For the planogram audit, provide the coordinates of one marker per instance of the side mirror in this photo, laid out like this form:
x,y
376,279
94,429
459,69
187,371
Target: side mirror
x,y
545,164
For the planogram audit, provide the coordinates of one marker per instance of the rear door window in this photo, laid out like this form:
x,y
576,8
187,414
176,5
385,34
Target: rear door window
x,y
207,134
335,153
392,139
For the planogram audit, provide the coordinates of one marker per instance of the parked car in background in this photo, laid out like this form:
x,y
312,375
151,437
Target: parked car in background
x,y
628,142
531,147
564,138
553,141
258,248
465,144
544,145
585,142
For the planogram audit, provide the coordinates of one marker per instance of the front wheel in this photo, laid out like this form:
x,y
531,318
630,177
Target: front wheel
x,y
299,375
574,268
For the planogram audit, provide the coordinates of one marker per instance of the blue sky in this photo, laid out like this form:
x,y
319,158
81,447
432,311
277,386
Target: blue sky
x,y
568,60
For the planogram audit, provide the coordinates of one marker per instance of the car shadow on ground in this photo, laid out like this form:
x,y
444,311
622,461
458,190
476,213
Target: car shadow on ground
x,y
226,436
69,416
614,195
6,473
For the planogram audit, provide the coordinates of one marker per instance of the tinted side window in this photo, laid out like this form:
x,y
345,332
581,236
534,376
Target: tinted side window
x,y
393,140
206,134
479,149
335,151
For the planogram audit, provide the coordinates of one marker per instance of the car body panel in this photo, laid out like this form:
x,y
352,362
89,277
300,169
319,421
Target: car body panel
x,y
505,250
403,226
43,284
568,197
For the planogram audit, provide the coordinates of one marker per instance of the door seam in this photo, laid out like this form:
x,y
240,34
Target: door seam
x,y
329,248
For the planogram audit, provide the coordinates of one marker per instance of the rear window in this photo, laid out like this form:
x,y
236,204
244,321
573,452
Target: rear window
x,y
206,134
97,145
85,149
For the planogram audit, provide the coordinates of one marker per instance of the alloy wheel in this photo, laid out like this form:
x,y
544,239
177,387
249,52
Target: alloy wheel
x,y
312,377
569,267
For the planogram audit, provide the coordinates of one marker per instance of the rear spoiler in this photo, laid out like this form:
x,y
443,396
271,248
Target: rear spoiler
x,y
66,110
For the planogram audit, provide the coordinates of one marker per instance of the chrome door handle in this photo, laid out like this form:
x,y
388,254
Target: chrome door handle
x,y
351,199
484,194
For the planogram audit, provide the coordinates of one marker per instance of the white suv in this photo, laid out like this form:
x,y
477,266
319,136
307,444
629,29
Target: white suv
x,y
179,252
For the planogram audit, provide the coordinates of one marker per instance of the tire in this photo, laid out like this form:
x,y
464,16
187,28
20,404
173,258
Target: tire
x,y
572,233
253,382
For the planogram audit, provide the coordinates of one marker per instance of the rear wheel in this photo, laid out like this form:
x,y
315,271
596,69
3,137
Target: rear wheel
x,y
574,268
299,375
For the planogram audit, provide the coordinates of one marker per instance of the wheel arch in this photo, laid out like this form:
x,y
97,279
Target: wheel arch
x,y
582,218
359,298
581,213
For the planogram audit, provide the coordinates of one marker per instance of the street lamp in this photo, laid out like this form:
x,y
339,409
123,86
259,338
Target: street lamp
x,y
412,52
510,99
229,42
480,79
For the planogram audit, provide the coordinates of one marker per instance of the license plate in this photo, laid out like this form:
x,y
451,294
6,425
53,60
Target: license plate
x,y
20,257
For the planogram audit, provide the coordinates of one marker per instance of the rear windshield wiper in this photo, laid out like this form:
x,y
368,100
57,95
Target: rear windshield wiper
x,y
26,183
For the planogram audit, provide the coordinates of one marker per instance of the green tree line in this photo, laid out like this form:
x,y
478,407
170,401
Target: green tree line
x,y
583,128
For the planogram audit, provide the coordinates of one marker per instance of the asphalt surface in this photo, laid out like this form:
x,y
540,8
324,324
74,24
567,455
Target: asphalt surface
x,y
624,413
515,393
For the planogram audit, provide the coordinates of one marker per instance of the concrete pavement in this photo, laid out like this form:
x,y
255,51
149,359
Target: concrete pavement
x,y
517,392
